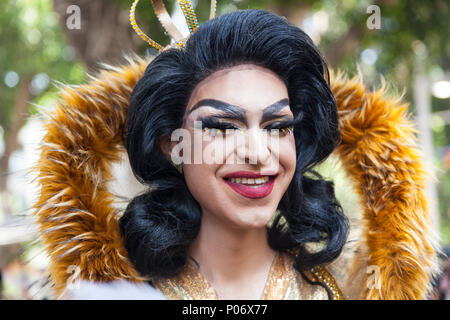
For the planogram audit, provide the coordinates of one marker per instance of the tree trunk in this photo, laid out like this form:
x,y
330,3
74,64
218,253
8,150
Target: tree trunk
x,y
104,35
11,139
346,44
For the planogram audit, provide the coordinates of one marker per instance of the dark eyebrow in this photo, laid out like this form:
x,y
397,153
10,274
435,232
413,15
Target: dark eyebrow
x,y
270,112
237,113
231,111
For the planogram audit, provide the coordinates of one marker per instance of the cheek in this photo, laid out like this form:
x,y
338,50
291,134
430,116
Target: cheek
x,y
202,182
201,165
204,148
287,155
198,175
201,173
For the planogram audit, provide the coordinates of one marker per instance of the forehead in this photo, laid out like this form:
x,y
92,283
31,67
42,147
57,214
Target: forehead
x,y
248,86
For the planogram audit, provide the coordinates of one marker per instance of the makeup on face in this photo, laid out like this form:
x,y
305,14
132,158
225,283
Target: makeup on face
x,y
233,119
251,185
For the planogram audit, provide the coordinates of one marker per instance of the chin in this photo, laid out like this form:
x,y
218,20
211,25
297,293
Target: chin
x,y
252,220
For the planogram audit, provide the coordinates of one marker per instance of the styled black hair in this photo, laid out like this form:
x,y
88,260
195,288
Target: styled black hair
x,y
159,226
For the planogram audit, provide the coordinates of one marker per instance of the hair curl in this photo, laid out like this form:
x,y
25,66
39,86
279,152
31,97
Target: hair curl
x,y
159,226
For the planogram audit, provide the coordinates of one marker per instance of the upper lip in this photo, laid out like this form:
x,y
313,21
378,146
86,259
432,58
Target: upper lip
x,y
249,174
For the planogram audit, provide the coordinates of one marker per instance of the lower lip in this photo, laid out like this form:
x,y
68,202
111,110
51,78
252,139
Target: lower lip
x,y
256,192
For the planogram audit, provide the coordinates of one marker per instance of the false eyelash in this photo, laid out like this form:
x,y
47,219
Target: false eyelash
x,y
286,124
215,124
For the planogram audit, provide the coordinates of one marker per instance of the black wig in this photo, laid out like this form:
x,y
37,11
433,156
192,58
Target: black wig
x,y
159,226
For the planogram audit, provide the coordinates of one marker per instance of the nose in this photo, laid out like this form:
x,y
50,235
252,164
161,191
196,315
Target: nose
x,y
255,149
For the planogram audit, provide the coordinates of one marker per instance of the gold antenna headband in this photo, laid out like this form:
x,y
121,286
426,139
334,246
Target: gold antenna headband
x,y
167,23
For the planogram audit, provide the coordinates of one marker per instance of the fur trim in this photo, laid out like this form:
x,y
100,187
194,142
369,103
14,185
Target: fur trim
x,y
77,221
378,150
78,209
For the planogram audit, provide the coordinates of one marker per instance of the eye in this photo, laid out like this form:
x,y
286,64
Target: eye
x,y
287,130
282,128
215,127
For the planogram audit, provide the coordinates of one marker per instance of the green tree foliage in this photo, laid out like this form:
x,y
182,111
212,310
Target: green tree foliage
x,y
32,44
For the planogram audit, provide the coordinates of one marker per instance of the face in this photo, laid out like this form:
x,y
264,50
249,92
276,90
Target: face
x,y
241,128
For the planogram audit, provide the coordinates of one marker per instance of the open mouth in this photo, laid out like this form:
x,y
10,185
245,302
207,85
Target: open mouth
x,y
254,187
252,182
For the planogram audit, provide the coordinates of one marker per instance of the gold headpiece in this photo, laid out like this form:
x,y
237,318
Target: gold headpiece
x,y
167,23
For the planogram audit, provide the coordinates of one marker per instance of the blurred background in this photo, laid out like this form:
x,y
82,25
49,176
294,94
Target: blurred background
x,y
46,42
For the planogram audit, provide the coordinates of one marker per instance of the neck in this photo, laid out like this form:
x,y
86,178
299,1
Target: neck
x,y
227,254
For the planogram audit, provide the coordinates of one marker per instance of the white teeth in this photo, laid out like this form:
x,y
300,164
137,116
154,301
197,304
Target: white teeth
x,y
250,180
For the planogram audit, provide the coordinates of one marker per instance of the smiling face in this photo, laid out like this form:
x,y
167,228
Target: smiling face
x,y
251,170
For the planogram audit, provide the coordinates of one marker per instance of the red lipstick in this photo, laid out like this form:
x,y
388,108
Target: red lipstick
x,y
252,191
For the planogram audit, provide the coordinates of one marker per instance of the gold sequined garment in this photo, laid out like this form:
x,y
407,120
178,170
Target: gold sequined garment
x,y
284,282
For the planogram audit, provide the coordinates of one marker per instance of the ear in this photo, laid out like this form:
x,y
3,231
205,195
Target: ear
x,y
165,145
